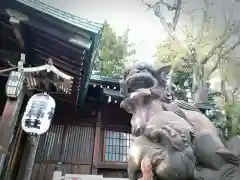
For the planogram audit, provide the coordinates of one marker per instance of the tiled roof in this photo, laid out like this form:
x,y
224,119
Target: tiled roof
x,y
64,16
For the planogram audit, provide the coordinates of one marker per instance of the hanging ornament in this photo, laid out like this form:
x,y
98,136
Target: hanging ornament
x,y
38,114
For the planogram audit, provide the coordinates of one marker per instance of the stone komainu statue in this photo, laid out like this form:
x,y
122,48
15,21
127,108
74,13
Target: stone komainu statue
x,y
171,137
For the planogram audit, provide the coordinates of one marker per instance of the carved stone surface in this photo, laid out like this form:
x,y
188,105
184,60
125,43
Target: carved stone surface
x,y
180,142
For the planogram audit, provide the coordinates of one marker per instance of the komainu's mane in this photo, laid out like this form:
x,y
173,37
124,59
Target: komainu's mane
x,y
167,96
169,103
229,174
186,106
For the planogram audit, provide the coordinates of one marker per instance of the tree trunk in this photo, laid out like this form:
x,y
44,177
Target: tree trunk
x,y
200,96
199,87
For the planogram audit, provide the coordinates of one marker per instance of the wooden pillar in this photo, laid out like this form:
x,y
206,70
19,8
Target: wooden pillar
x,y
13,159
8,121
33,144
97,152
7,125
28,157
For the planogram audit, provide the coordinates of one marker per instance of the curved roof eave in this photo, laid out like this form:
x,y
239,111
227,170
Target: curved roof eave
x,y
79,22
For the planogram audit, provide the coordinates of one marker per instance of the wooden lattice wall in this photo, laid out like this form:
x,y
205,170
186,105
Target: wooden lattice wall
x,y
72,145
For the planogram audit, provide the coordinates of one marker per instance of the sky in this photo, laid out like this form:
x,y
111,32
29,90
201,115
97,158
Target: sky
x,y
145,28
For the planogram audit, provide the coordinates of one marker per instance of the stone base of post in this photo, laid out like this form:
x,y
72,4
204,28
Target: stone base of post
x,y
57,174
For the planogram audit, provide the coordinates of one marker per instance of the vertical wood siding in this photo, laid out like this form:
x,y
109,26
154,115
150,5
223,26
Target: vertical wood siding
x,y
79,144
76,143
50,144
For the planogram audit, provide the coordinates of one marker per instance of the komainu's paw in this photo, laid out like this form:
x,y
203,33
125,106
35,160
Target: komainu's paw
x,y
228,156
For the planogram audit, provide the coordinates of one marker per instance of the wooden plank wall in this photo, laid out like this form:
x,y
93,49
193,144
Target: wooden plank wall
x,y
72,145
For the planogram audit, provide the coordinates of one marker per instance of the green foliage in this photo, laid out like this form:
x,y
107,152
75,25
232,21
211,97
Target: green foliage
x,y
169,51
225,113
178,55
234,112
214,56
182,81
114,51
230,117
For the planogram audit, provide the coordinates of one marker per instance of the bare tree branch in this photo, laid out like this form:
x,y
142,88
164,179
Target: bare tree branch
x,y
222,55
217,46
228,21
169,27
177,14
234,91
166,25
232,48
213,51
170,7
231,26
215,66
205,17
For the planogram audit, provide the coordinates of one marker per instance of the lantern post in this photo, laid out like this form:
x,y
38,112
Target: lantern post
x,y
36,120
32,144
37,117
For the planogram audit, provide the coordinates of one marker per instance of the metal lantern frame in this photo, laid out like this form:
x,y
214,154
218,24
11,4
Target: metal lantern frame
x,y
14,84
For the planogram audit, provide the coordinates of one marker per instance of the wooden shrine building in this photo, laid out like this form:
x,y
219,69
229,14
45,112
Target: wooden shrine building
x,y
89,134
95,141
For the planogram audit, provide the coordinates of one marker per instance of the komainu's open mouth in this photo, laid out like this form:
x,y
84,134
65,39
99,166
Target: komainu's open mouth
x,y
140,80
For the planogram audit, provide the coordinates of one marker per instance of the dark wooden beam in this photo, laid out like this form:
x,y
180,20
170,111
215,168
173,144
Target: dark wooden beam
x,y
33,144
97,144
9,57
63,162
28,157
8,121
13,156
113,165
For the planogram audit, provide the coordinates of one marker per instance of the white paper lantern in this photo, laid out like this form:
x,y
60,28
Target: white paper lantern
x,y
38,113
